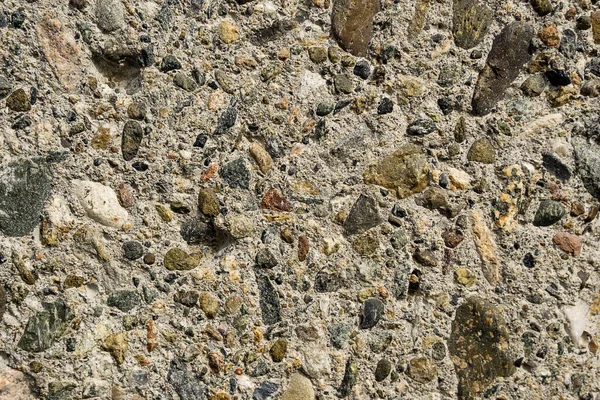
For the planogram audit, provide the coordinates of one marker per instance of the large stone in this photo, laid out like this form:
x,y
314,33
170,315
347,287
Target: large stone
x,y
124,300
479,347
178,260
363,216
109,15
131,139
183,381
299,388
587,162
116,344
25,187
46,326
19,101
405,171
509,52
100,203
470,22
548,213
236,174
352,24
270,305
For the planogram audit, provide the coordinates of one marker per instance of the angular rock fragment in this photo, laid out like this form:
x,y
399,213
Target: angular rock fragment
x,y
269,301
509,52
486,248
363,216
587,162
548,213
371,313
405,171
133,134
116,344
25,187
555,166
470,22
479,347
124,300
45,327
236,174
352,24
568,242
183,381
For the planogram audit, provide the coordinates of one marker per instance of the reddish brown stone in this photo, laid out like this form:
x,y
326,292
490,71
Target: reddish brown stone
x,y
215,362
352,24
568,243
303,247
275,201
452,238
125,193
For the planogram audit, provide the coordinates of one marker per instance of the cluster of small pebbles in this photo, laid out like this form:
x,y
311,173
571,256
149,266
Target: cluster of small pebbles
x,y
299,199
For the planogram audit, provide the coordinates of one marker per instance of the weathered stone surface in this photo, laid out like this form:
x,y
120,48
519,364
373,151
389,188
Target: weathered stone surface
x,y
479,347
405,171
236,174
124,300
116,344
587,162
486,246
101,203
133,134
482,151
371,313
422,369
25,187
299,388
363,216
509,52
568,242
269,300
548,213
178,260
470,22
109,15
45,327
183,381
352,24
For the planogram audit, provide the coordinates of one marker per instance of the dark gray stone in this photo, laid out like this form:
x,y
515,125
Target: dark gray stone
x,y
60,390
131,139
265,391
133,250
534,85
343,84
568,43
556,167
470,22
184,82
479,347
548,213
362,69
5,87
169,63
269,300
363,216
45,327
324,109
509,52
350,376
421,127
227,119
587,163
371,313
25,186
326,282
236,174
184,383
383,369
339,335
124,300
266,259
188,298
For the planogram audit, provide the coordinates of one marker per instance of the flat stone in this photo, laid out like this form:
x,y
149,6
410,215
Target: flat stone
x,y
371,313
19,101
509,52
568,242
269,300
101,203
124,300
109,15
479,347
548,213
422,369
25,187
208,203
131,139
363,216
299,388
587,162
178,260
266,259
405,171
183,381
185,82
470,22
555,166
384,367
482,151
133,250
45,327
421,127
188,298
275,201
116,344
352,24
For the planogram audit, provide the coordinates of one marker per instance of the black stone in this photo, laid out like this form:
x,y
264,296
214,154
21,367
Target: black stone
x,y
528,260
25,186
188,298
201,140
124,300
421,127
340,105
236,174
140,166
445,104
362,69
558,77
269,300
23,121
350,377
169,63
46,326
147,56
556,167
363,216
184,383
568,43
386,106
133,250
548,213
17,18
195,231
324,109
325,282
131,139
371,313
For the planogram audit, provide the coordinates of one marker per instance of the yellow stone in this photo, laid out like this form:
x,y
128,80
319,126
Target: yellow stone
x,y
228,32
